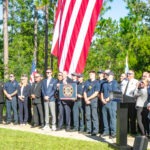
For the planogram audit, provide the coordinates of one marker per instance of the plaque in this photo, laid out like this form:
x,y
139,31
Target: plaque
x,y
68,91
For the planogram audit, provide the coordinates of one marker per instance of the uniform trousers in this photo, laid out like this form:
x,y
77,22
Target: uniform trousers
x,y
38,113
132,126
23,111
11,104
78,116
50,106
109,117
1,111
92,124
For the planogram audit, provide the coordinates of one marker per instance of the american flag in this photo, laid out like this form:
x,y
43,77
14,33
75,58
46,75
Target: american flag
x,y
75,21
33,71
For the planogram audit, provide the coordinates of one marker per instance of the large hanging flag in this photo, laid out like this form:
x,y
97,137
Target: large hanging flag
x,y
74,26
33,71
126,65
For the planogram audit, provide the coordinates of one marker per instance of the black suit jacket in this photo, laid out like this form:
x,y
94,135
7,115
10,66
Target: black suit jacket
x,y
25,93
37,91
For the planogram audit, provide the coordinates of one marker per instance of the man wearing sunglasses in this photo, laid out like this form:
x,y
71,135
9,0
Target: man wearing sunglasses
x,y
48,91
36,96
10,91
129,93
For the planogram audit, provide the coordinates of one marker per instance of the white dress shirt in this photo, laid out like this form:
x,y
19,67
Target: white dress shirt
x,y
131,87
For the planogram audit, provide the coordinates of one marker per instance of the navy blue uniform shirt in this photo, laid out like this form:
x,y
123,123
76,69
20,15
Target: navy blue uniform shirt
x,y
91,87
80,88
11,87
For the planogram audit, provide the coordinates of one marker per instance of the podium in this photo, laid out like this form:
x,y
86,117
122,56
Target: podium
x,y
122,116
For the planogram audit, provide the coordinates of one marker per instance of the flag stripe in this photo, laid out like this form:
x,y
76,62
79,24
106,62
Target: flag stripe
x,y
55,43
74,40
81,36
69,24
75,26
89,34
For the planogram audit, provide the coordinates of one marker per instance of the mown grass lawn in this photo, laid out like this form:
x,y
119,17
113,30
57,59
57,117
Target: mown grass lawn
x,y
19,140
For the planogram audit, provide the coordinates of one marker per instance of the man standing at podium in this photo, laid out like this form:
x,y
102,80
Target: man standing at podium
x,y
129,92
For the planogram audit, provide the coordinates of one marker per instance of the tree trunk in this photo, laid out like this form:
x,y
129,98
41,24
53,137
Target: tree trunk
x,y
5,38
35,35
46,37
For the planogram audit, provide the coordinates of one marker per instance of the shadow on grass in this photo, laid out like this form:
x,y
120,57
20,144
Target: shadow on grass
x,y
111,144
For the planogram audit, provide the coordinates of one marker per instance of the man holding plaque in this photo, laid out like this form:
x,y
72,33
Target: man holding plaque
x,y
66,102
91,91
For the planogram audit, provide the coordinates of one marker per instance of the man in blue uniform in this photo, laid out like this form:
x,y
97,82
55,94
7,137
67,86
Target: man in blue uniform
x,y
78,115
109,105
91,91
10,91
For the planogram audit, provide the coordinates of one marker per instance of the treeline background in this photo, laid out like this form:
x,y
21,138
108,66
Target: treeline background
x,y
112,41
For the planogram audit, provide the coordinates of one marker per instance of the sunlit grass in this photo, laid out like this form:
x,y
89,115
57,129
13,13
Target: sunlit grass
x,y
19,140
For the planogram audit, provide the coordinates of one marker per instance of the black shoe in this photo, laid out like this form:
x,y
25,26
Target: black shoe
x,y
88,132
82,131
74,130
42,126
68,130
112,136
35,125
93,134
59,129
15,123
104,134
8,122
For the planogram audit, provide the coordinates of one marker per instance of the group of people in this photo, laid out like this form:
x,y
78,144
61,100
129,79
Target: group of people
x,y
93,111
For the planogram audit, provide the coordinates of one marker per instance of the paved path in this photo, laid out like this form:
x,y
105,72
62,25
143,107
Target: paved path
x,y
63,133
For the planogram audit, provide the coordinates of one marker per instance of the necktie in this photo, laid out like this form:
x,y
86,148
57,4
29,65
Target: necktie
x,y
126,88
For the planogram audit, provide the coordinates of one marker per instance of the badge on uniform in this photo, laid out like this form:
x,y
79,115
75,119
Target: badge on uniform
x,y
68,91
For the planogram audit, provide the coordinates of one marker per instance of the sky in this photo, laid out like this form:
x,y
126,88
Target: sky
x,y
117,11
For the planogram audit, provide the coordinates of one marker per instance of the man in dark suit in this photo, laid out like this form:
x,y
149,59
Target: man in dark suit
x,y
37,101
48,91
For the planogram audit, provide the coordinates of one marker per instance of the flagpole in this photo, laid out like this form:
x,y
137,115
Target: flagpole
x,y
51,60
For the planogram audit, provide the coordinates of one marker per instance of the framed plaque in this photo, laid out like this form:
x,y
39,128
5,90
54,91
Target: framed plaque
x,y
68,91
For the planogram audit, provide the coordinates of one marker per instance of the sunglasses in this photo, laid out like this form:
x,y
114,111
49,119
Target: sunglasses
x,y
11,76
48,72
129,73
59,75
36,76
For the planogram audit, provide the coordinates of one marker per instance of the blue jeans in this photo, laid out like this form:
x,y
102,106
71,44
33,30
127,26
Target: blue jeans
x,y
12,104
109,109
92,124
78,115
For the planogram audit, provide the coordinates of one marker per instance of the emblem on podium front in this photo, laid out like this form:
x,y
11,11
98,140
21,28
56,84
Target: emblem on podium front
x,y
68,91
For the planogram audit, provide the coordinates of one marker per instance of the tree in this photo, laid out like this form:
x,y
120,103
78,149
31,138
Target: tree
x,y
5,39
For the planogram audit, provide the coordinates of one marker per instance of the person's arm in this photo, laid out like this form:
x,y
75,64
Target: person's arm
x,y
85,98
105,94
95,94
